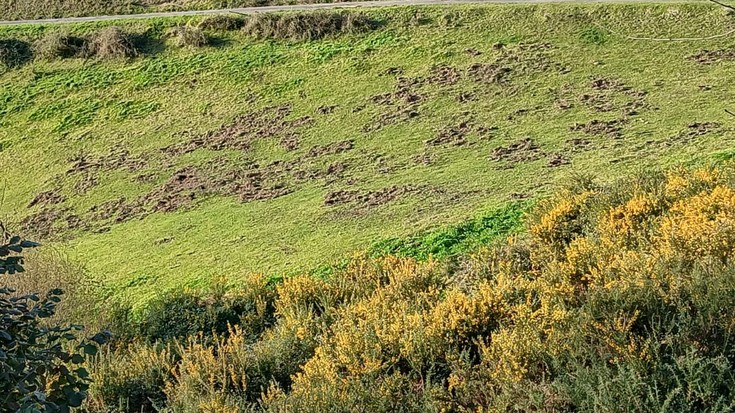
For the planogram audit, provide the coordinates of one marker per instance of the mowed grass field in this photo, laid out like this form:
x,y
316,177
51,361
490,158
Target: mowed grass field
x,y
186,166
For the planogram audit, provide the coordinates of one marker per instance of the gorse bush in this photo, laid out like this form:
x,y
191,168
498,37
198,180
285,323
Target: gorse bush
x,y
131,378
617,298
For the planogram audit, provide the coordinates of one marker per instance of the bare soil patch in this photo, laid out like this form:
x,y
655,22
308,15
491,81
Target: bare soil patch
x,y
331,149
465,97
596,127
521,151
579,144
326,109
556,160
369,198
243,131
452,135
607,95
444,75
693,131
50,222
708,57
46,198
501,68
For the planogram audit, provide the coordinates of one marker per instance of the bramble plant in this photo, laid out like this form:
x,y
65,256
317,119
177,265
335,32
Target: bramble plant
x,y
40,364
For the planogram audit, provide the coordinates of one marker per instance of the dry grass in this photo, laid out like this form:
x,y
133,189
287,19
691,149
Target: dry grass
x,y
222,23
188,36
59,44
46,270
306,26
111,43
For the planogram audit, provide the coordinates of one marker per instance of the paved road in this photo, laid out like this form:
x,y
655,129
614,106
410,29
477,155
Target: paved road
x,y
296,7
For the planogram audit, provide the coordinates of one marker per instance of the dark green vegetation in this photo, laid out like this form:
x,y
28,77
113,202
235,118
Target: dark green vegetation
x,y
40,362
268,152
613,298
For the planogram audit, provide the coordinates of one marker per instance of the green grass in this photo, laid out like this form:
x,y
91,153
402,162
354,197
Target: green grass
x,y
42,9
52,111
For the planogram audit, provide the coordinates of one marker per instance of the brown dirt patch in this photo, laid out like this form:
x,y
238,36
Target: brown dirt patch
x,y
489,72
117,158
608,95
563,104
465,97
243,131
608,128
452,135
331,149
393,71
50,223
369,198
473,52
46,198
290,142
521,60
579,144
694,131
88,181
401,105
326,109
708,57
556,160
183,187
444,75
253,187
521,151
425,158
116,210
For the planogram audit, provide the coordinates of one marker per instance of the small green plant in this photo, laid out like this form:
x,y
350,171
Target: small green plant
x,y
593,35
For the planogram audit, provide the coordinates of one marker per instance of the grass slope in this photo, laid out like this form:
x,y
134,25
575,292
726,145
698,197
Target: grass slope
x,y
41,9
184,164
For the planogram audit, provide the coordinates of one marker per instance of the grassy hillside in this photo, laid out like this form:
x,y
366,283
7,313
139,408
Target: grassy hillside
x,y
260,154
40,9
618,298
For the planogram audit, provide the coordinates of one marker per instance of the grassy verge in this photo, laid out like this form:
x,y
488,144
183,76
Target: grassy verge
x,y
43,9
270,153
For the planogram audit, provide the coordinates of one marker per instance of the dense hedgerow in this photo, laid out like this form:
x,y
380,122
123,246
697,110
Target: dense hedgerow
x,y
617,298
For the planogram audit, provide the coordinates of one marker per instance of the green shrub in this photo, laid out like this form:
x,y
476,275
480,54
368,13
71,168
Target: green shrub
x,y
14,53
131,378
40,363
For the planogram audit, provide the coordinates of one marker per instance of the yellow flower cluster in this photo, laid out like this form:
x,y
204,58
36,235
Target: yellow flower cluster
x,y
395,330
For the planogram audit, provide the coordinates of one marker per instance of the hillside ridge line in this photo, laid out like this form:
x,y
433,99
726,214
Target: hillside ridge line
x,y
312,6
